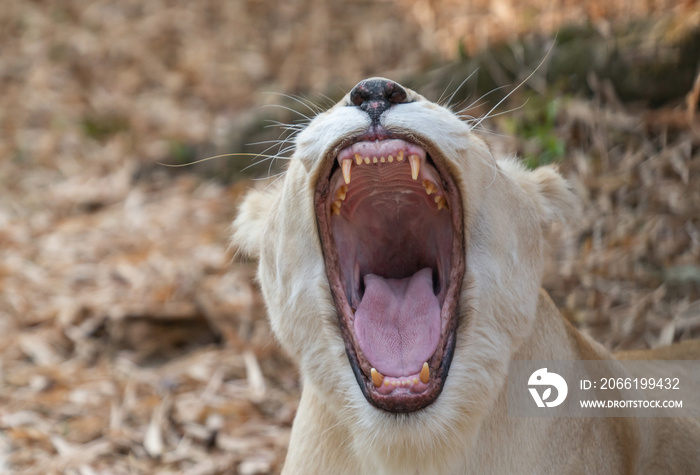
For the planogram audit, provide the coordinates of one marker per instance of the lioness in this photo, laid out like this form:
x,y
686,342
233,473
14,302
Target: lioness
x,y
401,265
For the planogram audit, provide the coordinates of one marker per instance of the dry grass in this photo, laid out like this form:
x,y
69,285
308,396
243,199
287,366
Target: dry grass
x,y
129,341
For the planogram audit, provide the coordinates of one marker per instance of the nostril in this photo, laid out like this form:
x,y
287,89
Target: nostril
x,y
374,96
394,93
358,95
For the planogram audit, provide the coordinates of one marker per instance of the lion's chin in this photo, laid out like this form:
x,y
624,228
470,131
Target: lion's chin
x,y
390,222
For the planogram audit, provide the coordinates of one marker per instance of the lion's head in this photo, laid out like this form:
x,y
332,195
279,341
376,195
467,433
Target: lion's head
x,y
400,262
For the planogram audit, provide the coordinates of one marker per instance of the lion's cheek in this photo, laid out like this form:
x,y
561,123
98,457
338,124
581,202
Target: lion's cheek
x,y
504,266
292,275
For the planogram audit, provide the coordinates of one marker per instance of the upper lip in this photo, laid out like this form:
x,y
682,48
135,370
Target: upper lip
x,y
331,187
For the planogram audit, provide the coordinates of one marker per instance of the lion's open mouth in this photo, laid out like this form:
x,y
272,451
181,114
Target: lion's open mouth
x,y
390,222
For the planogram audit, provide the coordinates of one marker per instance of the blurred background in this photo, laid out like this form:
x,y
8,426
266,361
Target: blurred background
x,y
132,342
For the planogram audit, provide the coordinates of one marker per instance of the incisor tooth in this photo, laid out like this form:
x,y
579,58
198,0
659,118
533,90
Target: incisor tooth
x,y
377,377
415,165
382,159
425,373
358,159
429,187
375,159
367,160
399,157
347,164
390,158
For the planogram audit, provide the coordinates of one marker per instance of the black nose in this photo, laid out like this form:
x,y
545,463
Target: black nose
x,y
374,96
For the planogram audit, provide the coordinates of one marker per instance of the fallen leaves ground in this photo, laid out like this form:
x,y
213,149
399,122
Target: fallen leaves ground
x,y
131,341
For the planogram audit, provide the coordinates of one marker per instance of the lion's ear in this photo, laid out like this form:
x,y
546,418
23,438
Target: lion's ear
x,y
556,201
549,191
249,225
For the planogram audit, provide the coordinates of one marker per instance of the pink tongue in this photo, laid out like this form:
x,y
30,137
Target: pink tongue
x,y
397,323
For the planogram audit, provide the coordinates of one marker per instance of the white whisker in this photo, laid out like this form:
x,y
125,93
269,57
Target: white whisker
x,y
280,106
449,101
444,91
488,114
503,112
314,108
236,154
474,104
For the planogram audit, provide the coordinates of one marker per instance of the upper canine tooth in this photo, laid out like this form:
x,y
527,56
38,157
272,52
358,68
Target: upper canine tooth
x,y
415,165
358,158
377,377
429,187
425,373
347,164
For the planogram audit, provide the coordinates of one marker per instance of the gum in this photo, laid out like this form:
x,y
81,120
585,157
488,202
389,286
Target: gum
x,y
415,385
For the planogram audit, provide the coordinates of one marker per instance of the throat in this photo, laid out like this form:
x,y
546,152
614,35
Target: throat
x,y
397,322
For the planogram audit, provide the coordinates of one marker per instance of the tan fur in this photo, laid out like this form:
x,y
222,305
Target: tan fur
x,y
504,316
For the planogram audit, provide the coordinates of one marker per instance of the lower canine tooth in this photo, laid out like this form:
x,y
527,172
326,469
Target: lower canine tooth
x,y
415,165
425,373
347,165
377,377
